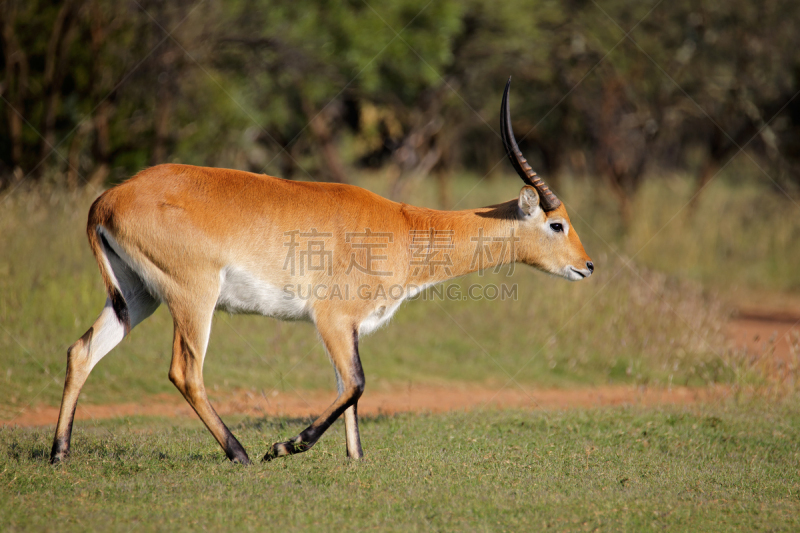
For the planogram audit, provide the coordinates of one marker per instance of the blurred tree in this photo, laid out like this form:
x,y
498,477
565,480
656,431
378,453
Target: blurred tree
x,y
93,90
314,65
14,91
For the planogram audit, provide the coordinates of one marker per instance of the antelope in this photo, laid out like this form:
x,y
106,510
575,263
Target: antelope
x,y
201,239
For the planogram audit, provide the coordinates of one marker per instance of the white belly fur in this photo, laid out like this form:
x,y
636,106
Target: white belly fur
x,y
378,317
242,292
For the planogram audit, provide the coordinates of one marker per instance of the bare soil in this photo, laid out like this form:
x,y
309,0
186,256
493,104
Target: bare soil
x,y
755,331
760,332
413,399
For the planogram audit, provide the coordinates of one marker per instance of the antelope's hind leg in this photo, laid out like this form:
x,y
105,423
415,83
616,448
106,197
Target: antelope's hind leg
x,y
106,332
192,330
342,346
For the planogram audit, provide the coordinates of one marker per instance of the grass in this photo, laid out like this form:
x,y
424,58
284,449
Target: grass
x,y
702,468
652,320
627,324
655,319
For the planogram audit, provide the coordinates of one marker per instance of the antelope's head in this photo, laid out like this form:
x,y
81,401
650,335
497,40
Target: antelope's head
x,y
547,239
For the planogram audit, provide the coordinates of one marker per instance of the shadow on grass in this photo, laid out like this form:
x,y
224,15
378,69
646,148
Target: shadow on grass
x,y
277,423
35,453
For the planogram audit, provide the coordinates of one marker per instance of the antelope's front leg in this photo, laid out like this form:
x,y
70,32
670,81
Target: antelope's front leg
x,y
342,346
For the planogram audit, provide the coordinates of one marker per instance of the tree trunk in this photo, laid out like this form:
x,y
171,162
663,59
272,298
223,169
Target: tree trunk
x,y
55,58
74,178
163,113
16,83
709,170
443,180
101,147
168,73
416,157
326,148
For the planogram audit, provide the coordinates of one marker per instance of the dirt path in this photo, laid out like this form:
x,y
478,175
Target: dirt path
x,y
760,332
755,331
415,399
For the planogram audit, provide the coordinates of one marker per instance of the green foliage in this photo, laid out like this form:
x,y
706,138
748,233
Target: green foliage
x,y
291,87
705,468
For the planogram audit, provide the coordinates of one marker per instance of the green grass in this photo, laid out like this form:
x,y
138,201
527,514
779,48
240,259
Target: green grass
x,y
653,320
625,324
702,468
628,323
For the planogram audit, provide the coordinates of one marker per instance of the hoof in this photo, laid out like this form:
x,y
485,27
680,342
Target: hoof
x,y
276,450
58,458
281,449
59,452
241,460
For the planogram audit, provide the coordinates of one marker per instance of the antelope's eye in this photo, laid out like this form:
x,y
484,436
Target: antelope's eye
x,y
556,227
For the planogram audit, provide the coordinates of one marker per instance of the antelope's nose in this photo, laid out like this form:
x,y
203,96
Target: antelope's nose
x,y
590,266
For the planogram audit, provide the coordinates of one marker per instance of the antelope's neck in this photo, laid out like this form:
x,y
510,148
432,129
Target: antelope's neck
x,y
447,244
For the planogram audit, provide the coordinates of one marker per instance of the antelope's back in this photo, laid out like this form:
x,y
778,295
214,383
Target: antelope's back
x,y
185,218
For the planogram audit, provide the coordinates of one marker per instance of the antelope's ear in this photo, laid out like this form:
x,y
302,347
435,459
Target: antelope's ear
x,y
528,201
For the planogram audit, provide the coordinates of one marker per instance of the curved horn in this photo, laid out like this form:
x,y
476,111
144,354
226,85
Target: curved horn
x,y
547,198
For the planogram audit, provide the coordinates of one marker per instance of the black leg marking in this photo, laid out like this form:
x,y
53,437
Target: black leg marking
x,y
305,440
299,444
291,447
60,449
117,300
357,369
235,451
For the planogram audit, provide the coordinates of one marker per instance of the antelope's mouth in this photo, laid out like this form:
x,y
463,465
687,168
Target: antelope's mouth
x,y
577,275
578,272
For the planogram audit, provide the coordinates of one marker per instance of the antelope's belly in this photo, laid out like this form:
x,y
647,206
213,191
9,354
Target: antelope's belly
x,y
243,292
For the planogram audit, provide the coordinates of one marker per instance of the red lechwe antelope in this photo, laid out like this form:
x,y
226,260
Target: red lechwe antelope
x,y
200,239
